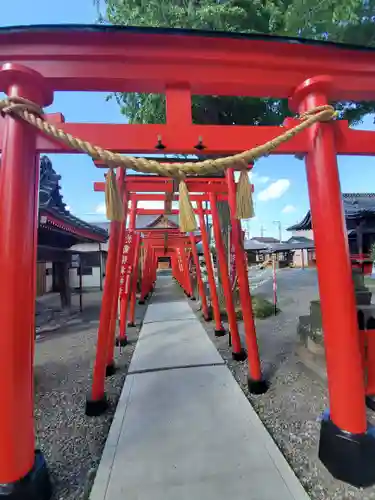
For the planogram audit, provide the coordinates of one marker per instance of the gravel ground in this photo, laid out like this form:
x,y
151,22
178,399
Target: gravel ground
x,y
73,443
291,408
49,316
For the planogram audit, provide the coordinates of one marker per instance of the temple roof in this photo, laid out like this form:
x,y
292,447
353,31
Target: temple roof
x,y
51,204
356,206
254,245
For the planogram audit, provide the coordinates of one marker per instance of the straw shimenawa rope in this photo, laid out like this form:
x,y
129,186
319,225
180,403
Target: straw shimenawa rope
x,y
31,113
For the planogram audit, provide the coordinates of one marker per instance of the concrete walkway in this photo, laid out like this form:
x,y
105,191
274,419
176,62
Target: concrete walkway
x,y
183,428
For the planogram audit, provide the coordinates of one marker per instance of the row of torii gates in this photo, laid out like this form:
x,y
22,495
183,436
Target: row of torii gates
x,y
123,262
36,62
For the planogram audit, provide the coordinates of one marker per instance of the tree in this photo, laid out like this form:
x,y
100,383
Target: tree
x,y
351,21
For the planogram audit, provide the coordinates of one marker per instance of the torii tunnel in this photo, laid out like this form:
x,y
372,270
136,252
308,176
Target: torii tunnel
x,y
38,61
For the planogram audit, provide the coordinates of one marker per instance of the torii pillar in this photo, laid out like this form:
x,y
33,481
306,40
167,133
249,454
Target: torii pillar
x,y
347,447
23,471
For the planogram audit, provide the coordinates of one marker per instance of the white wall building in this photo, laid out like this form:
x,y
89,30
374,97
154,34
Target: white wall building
x,y
308,233
93,258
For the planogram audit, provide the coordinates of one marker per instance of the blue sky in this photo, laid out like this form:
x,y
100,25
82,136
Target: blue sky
x,y
280,181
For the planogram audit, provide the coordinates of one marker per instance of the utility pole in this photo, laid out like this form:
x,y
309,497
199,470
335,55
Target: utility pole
x,y
262,231
278,223
248,229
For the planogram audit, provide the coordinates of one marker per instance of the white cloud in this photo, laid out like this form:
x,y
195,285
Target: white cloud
x,y
274,190
153,204
100,209
261,179
254,177
288,209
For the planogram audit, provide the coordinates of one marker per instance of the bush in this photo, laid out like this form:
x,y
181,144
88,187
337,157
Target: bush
x,y
262,308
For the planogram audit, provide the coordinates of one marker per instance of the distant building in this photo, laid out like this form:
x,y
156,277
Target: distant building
x,y
295,251
303,249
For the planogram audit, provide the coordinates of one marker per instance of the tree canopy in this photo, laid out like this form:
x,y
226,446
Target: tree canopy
x,y
349,21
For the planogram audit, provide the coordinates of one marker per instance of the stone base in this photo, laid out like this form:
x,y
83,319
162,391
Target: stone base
x,y
121,342
313,362
310,326
36,485
370,402
220,333
110,370
363,297
257,387
303,328
366,315
95,408
239,356
315,348
348,457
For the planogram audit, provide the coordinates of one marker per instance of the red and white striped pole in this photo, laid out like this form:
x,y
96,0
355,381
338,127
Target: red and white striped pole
x,y
274,283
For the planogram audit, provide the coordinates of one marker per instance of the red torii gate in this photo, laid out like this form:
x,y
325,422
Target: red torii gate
x,y
217,187
194,239
177,249
35,63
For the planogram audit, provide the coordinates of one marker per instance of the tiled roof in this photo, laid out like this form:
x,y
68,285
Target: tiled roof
x,y
265,239
51,201
356,206
254,245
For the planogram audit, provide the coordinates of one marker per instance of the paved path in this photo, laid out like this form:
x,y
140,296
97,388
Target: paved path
x,y
183,428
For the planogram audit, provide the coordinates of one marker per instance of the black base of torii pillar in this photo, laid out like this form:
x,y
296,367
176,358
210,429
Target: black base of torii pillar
x,y
35,486
348,457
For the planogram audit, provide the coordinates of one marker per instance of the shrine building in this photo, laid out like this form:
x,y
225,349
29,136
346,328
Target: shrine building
x,y
359,209
61,236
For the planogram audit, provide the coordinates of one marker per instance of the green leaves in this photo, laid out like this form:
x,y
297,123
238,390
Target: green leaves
x,y
351,21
